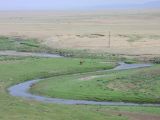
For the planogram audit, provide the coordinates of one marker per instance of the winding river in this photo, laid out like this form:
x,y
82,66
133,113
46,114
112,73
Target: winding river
x,y
22,89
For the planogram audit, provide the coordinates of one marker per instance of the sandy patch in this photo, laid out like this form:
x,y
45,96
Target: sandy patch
x,y
88,78
119,86
91,77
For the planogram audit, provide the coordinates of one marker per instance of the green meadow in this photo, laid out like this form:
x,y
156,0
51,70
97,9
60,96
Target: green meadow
x,y
138,85
68,78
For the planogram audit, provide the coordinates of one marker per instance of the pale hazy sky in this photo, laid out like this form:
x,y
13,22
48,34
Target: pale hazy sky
x,y
61,4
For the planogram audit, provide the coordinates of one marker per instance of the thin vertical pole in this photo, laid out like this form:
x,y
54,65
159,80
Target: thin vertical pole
x,y
109,41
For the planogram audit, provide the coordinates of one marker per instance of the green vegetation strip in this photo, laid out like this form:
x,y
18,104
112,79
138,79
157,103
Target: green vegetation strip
x,y
14,70
33,45
19,70
23,45
139,85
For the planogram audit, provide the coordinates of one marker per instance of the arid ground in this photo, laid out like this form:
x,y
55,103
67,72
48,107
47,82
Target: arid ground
x,y
132,32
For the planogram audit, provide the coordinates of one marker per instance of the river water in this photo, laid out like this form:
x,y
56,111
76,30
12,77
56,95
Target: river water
x,y
22,90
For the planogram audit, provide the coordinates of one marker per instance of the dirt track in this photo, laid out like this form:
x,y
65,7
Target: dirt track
x,y
26,54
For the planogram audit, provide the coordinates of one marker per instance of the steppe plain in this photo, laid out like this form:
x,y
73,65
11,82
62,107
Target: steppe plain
x,y
134,32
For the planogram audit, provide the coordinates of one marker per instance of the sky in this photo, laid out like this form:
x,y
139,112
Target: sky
x,y
62,4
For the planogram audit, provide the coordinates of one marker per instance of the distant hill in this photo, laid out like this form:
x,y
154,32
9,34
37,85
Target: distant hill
x,y
153,4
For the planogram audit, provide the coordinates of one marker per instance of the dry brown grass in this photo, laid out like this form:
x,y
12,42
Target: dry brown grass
x,y
132,32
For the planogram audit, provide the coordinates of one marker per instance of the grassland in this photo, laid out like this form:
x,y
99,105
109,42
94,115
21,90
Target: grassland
x,y
32,45
21,44
14,71
132,33
140,85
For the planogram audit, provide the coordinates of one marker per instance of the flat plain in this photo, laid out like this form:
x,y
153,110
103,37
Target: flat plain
x,y
134,32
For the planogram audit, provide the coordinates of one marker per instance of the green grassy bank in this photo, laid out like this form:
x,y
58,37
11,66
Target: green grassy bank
x,y
138,85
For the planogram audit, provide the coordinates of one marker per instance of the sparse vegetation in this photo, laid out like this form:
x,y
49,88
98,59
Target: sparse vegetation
x,y
130,61
139,37
32,45
93,35
20,44
155,60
